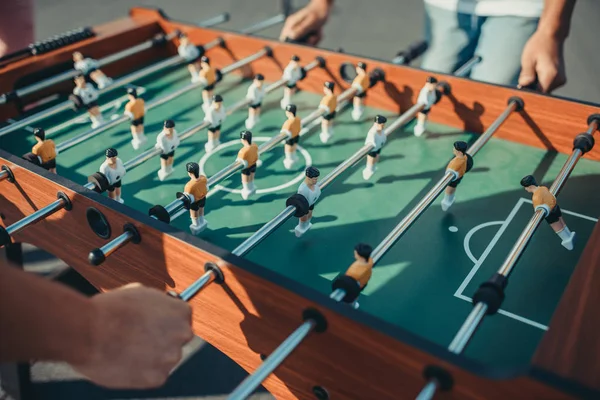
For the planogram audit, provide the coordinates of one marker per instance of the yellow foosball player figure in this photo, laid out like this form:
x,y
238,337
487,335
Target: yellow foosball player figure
x,y
459,166
208,78
255,94
248,156
215,115
135,109
197,188
191,54
291,127
427,96
167,141
43,152
114,171
90,67
354,281
376,137
85,96
328,104
361,84
293,73
310,190
543,199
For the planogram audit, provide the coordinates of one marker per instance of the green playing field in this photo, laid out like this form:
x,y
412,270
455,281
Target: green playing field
x,y
425,281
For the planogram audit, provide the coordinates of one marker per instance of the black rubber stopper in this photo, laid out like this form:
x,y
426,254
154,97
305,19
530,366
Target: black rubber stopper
x,y
221,41
584,142
76,100
413,51
68,205
4,237
300,203
442,377
377,75
321,61
593,117
173,294
491,293
32,158
519,101
160,213
315,315
128,227
348,285
187,201
11,176
12,96
302,73
96,257
269,51
202,50
100,182
219,277
159,39
443,88
218,75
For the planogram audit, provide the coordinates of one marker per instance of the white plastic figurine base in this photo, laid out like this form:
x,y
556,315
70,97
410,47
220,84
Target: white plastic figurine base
x,y
211,145
288,162
447,202
419,129
326,135
368,172
568,243
302,228
164,173
355,305
357,113
138,141
197,228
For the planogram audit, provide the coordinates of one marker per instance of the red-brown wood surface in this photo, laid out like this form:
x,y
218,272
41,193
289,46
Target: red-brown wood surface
x,y
571,347
247,316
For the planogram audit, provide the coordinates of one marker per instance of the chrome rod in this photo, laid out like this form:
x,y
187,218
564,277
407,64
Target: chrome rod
x,y
252,382
174,206
37,216
148,44
264,231
593,127
117,243
197,286
216,20
338,295
4,175
267,23
65,105
414,214
466,68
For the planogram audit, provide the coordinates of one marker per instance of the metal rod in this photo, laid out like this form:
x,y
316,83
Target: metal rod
x,y
466,68
216,20
174,206
197,286
252,382
117,243
67,144
593,127
264,231
3,175
267,23
337,295
36,216
414,214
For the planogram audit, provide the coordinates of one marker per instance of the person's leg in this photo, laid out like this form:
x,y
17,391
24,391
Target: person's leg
x,y
500,46
452,38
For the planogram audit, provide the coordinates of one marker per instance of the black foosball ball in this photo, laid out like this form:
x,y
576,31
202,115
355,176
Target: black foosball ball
x,y
343,228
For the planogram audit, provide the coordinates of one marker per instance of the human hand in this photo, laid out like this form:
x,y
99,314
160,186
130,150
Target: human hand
x,y
543,60
136,339
307,23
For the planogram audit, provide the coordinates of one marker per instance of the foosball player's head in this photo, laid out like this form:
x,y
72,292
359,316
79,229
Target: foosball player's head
x,y
169,126
246,138
193,170
79,81
362,252
361,68
217,101
431,83
312,175
77,56
204,62
111,155
183,39
328,87
132,93
290,111
460,148
529,183
379,122
258,80
39,134
294,60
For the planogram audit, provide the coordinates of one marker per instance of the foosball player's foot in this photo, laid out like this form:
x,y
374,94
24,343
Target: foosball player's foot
x,y
199,227
302,228
447,202
119,199
568,243
96,123
419,129
138,142
211,145
246,193
250,122
355,305
164,173
368,172
357,113
288,163
325,136
104,82
284,102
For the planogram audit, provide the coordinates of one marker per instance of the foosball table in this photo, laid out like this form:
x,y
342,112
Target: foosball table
x,y
111,145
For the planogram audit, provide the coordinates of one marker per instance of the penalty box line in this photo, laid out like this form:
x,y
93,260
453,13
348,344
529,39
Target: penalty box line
x,y
459,292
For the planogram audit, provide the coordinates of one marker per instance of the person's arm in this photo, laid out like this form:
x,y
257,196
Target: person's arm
x,y
126,338
542,57
308,22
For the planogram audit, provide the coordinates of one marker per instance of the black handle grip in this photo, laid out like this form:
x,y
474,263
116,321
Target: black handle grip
x,y
413,51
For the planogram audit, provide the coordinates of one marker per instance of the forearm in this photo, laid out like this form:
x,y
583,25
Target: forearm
x,y
556,18
41,319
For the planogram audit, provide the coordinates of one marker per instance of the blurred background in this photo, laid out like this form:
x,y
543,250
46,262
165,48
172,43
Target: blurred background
x,y
373,28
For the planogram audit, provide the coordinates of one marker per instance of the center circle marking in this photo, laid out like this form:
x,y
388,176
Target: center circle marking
x,y
305,154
